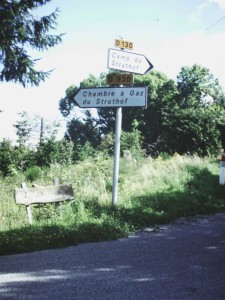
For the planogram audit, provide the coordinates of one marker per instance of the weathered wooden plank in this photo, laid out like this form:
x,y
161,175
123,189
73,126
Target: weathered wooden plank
x,y
39,195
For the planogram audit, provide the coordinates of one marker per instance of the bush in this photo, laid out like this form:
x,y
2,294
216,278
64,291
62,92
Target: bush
x,y
33,173
132,141
52,151
7,158
83,152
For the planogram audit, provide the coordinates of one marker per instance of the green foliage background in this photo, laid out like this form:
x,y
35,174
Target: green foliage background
x,y
151,192
186,116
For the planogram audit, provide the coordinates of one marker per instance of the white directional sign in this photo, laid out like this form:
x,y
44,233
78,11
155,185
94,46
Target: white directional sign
x,y
128,62
111,97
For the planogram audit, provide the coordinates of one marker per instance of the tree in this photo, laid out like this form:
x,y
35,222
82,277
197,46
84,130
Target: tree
x,y
161,97
6,157
24,128
19,29
183,116
50,151
197,120
197,87
34,129
13,158
84,131
87,129
67,104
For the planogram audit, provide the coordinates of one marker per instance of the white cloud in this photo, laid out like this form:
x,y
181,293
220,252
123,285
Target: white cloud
x,y
190,49
197,14
201,10
220,3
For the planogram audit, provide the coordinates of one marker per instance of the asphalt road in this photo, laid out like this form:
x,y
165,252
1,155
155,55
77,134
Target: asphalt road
x,y
183,260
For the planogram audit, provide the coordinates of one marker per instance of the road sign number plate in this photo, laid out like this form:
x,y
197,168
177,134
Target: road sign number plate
x,y
119,79
123,44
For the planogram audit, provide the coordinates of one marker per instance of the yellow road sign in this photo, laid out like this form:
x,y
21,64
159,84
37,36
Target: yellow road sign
x,y
119,79
123,44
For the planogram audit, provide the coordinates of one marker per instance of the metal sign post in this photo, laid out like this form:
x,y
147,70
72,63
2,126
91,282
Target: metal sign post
x,y
116,155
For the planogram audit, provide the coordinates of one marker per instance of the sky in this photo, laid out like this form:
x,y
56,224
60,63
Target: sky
x,y
170,33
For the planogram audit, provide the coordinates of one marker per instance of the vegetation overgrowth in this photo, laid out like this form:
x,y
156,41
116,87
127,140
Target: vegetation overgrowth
x,y
151,192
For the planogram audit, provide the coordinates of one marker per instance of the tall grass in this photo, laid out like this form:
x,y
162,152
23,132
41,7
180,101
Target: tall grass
x,y
151,192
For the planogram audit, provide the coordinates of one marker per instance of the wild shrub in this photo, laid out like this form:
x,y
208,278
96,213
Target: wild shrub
x,y
7,157
51,151
33,173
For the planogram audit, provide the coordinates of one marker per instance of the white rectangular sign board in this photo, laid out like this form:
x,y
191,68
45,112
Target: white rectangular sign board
x,y
128,62
111,97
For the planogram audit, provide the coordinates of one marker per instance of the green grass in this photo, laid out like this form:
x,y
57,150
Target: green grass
x,y
151,192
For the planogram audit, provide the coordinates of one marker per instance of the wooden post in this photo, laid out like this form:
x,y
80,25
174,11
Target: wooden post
x,y
29,214
56,182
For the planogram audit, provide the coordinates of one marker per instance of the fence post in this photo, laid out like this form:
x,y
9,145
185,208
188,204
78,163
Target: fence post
x,y
56,182
28,208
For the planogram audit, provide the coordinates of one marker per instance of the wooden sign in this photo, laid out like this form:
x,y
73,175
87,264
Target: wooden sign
x,y
119,79
45,194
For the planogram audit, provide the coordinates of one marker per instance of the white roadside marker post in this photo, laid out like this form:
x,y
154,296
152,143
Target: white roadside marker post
x,y
222,169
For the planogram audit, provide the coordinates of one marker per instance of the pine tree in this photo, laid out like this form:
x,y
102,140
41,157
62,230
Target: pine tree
x,y
20,30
